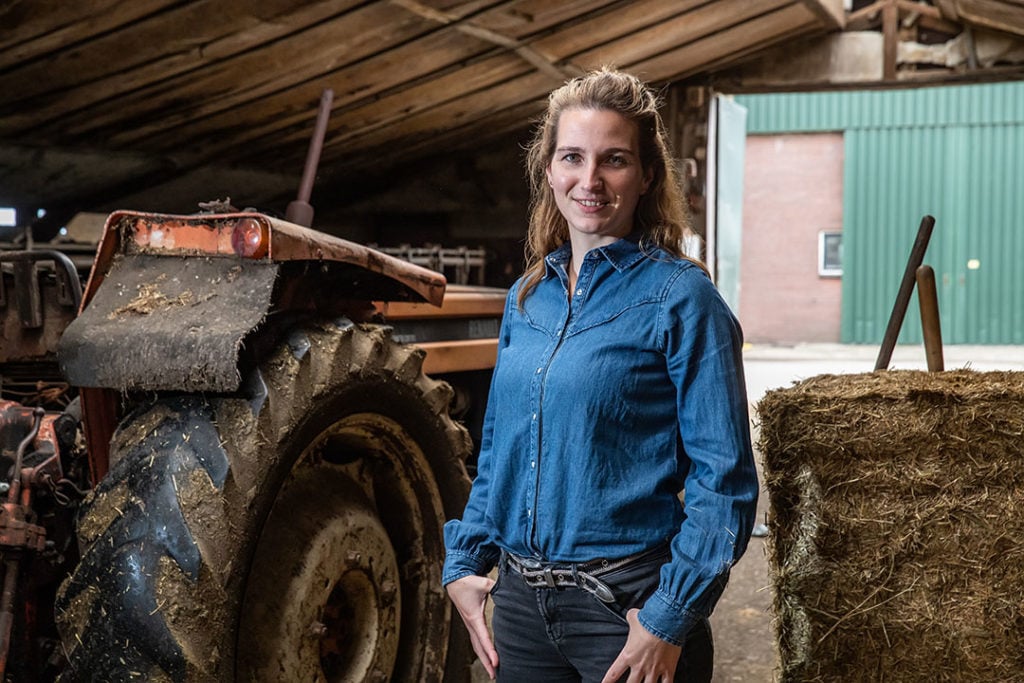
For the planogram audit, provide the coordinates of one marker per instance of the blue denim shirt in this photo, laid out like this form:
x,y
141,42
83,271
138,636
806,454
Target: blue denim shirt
x,y
602,408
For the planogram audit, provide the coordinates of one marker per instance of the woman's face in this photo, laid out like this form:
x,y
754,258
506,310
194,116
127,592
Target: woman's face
x,y
595,173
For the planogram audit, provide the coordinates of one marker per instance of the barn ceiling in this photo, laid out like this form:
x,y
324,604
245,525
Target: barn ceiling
x,y
167,103
159,104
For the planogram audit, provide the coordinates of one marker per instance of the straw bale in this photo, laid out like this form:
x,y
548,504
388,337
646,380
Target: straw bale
x,y
897,526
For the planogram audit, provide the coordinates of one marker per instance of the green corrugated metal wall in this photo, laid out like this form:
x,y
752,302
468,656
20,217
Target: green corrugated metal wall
x,y
956,153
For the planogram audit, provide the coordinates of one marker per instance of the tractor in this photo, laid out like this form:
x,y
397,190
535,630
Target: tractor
x,y
229,456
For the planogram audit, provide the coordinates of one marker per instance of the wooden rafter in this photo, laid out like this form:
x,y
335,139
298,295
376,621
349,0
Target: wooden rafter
x,y
534,57
830,12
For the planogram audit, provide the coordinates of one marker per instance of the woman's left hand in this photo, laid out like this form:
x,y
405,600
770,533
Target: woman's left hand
x,y
648,658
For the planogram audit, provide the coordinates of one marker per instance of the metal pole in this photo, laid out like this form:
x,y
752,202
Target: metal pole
x,y
300,211
899,309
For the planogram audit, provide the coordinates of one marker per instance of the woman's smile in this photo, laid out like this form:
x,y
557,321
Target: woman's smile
x,y
596,175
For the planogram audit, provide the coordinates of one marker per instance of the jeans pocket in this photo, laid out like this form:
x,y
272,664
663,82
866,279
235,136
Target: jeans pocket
x,y
499,572
633,584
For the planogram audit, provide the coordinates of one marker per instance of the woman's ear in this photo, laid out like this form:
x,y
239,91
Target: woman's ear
x,y
547,172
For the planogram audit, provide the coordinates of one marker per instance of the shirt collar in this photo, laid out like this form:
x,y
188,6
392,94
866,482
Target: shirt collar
x,y
621,254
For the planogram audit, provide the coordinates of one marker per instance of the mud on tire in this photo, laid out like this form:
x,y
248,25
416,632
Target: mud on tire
x,y
291,534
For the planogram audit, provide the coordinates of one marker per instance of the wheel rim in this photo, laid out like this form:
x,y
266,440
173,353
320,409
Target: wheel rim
x,y
344,583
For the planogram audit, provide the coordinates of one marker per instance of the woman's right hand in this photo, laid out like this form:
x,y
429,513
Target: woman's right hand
x,y
470,597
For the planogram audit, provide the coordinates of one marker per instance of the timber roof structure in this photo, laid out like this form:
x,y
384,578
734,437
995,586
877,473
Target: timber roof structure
x,y
106,101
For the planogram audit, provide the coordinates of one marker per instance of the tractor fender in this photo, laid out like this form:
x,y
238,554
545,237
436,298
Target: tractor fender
x,y
168,323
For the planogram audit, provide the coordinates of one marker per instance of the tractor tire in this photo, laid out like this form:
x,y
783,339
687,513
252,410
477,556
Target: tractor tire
x,y
294,534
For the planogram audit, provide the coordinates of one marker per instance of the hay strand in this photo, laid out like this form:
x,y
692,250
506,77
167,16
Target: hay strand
x,y
897,541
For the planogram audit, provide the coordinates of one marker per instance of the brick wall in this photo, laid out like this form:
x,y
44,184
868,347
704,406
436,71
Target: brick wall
x,y
793,189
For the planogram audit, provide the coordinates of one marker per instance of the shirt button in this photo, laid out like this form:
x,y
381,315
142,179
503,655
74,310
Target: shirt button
x,y
529,512
538,370
579,292
533,463
535,416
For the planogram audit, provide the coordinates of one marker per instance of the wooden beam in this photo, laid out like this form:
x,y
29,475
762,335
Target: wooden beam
x,y
496,126
656,64
216,123
677,31
890,39
625,51
360,84
865,13
767,30
538,60
404,102
731,45
46,26
179,41
831,12
999,15
925,10
948,9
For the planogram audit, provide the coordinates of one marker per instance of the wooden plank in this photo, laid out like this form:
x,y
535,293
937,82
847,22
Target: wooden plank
x,y
264,118
266,69
39,27
524,51
431,119
753,49
491,128
725,46
604,28
765,30
529,17
183,101
154,69
890,38
414,60
389,113
435,120
402,103
948,9
379,73
921,8
999,15
153,50
830,12
669,34
436,101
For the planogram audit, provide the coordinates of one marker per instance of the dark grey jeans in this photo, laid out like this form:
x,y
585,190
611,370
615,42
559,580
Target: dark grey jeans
x,y
566,635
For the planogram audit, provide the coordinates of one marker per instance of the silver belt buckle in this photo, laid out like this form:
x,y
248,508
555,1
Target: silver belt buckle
x,y
549,577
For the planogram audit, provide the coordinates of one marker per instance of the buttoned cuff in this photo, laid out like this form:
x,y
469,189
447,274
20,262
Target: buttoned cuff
x,y
458,564
667,619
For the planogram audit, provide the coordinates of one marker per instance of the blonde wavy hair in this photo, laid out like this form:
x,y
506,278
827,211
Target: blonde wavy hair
x,y
661,217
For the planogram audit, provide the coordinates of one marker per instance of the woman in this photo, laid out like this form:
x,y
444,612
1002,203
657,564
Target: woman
x,y
618,384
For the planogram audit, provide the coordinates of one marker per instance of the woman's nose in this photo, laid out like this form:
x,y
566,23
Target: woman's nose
x,y
592,177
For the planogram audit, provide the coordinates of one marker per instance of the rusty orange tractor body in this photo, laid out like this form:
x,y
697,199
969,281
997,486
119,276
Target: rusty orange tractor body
x,y
265,461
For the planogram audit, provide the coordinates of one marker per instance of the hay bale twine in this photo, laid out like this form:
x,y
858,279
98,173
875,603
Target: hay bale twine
x,y
897,526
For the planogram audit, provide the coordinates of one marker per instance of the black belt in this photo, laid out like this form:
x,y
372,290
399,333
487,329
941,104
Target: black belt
x,y
540,574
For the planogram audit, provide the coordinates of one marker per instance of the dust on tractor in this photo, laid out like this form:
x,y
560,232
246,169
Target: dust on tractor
x,y
229,457
251,479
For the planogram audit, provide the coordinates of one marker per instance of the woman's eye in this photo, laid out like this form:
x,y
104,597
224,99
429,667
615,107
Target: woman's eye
x,y
617,160
571,157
